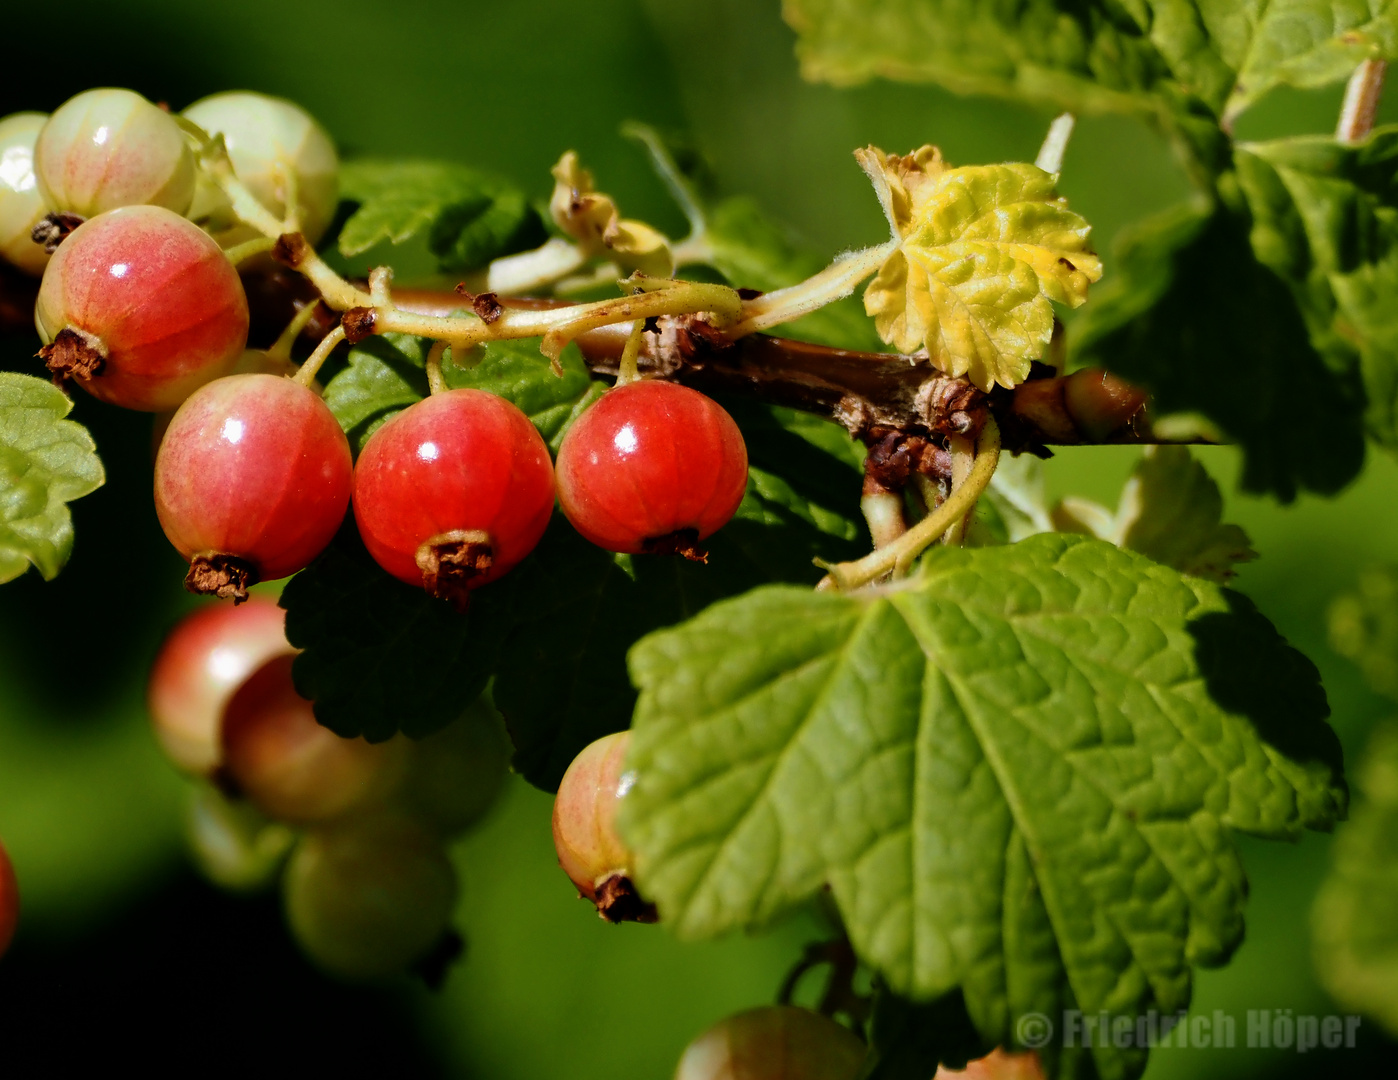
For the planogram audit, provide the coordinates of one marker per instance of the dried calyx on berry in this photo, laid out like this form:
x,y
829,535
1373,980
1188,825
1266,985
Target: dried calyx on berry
x,y
584,831
453,492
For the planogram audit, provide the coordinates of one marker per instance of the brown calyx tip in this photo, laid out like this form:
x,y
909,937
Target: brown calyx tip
x,y
217,574
433,968
51,229
291,249
73,355
682,542
487,306
452,562
358,323
618,901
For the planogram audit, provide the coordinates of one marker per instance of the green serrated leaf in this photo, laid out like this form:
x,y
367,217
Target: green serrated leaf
x,y
379,656
518,372
45,463
1016,773
383,377
1364,628
1355,919
1175,58
1195,316
470,218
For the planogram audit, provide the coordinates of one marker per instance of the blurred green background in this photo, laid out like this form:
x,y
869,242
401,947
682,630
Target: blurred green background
x,y
123,953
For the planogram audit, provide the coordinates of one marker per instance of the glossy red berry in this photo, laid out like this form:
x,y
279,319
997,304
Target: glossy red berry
x,y
109,148
369,898
9,901
202,662
277,756
652,467
21,205
453,492
778,1042
251,481
141,307
584,830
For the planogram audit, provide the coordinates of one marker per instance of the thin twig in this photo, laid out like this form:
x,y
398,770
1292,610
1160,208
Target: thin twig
x,y
307,373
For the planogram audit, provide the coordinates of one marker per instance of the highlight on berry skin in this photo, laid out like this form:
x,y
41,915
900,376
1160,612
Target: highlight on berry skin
x,y
453,492
201,663
652,467
109,148
252,480
21,203
584,830
140,308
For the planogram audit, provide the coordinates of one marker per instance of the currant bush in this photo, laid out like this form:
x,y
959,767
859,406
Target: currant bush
x,y
266,137
9,900
287,765
454,775
234,846
454,491
109,148
371,897
141,308
252,479
779,1042
21,203
652,467
205,658
584,830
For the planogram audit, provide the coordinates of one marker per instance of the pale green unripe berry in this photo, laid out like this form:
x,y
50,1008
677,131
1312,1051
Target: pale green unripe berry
x,y
779,1042
233,845
454,775
21,204
266,136
369,897
108,148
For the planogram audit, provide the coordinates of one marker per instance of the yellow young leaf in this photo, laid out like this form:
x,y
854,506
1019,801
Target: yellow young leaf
x,y
592,219
985,250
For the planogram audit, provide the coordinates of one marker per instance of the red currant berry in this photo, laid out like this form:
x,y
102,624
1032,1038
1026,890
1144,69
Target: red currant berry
x,y
251,481
371,897
287,765
141,307
266,136
109,148
453,492
778,1042
584,830
652,467
21,205
9,901
202,662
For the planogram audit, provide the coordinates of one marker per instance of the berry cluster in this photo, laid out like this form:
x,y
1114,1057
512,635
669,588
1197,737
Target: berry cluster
x,y
357,831
141,305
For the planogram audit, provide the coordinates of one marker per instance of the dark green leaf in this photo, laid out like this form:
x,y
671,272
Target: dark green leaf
x,y
470,218
1016,773
384,376
1171,56
45,463
1355,920
909,1041
1193,315
381,656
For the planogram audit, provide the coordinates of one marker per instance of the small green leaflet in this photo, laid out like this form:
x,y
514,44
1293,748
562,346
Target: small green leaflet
x,y
1364,628
384,375
470,218
1016,772
1355,919
1173,57
45,463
